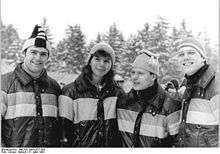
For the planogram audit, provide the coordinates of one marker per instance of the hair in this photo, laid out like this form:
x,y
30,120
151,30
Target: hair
x,y
88,70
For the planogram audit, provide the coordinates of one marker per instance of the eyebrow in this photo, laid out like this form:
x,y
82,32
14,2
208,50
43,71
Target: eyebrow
x,y
39,51
106,58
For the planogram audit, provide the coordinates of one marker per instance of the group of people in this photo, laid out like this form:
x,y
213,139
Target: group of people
x,y
94,111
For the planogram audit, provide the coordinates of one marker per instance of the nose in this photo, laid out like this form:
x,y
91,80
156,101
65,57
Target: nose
x,y
184,57
101,63
38,56
134,76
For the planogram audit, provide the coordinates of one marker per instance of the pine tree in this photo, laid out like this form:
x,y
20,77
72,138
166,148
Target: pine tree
x,y
159,36
116,41
132,46
211,50
72,51
8,35
145,36
14,52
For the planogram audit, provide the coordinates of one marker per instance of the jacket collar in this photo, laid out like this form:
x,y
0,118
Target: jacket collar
x,y
155,99
206,78
25,78
202,77
84,84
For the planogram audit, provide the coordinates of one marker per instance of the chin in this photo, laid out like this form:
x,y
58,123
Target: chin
x,y
190,71
37,70
138,88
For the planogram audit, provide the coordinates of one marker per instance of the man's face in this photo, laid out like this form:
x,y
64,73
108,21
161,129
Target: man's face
x,y
100,66
190,60
35,58
141,78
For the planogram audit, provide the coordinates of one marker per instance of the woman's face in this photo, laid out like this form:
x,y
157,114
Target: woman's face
x,y
100,66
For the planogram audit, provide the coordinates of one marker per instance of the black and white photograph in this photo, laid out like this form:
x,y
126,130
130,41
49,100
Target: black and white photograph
x,y
129,76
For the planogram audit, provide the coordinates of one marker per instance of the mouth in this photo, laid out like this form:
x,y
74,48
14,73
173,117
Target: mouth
x,y
100,69
188,63
37,63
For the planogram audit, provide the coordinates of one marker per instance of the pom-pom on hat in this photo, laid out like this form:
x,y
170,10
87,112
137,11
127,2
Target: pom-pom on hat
x,y
147,61
191,42
38,38
103,46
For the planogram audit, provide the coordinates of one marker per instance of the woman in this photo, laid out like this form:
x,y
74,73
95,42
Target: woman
x,y
87,106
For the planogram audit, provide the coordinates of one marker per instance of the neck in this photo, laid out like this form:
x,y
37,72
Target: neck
x,y
195,71
95,80
194,77
31,73
149,92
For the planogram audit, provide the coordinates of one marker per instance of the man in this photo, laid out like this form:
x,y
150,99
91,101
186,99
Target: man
x,y
200,106
150,117
29,98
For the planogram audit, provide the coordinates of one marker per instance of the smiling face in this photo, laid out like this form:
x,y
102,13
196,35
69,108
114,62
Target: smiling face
x,y
35,59
100,66
190,60
141,78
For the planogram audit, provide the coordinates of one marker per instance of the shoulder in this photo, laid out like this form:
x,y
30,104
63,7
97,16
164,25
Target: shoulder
x,y
53,82
6,80
69,88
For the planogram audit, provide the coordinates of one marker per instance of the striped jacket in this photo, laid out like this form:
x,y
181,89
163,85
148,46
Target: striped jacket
x,y
149,119
29,110
88,114
200,110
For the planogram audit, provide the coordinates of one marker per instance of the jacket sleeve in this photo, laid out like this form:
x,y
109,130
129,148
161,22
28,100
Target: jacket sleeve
x,y
3,108
213,93
3,103
121,97
173,108
66,117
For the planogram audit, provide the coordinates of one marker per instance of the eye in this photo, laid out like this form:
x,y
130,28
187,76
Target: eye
x,y
132,72
191,53
181,55
140,73
43,54
107,61
96,58
33,52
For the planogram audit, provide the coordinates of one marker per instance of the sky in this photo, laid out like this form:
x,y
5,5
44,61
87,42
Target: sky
x,y
97,15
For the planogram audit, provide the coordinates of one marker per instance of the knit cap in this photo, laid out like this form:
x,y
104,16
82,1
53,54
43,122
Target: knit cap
x,y
106,47
192,42
38,38
147,61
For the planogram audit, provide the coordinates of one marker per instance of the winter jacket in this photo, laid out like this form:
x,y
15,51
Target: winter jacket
x,y
149,118
88,114
200,110
29,110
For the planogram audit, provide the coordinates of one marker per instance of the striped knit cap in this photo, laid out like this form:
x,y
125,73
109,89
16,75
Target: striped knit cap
x,y
38,38
191,42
